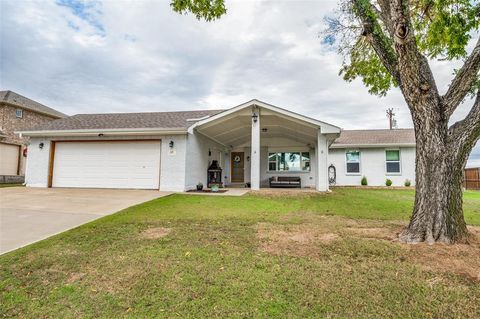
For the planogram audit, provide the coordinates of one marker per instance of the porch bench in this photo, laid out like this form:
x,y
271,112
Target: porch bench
x,y
285,181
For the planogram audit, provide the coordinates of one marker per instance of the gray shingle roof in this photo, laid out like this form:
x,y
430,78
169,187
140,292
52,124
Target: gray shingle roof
x,y
372,137
25,103
160,120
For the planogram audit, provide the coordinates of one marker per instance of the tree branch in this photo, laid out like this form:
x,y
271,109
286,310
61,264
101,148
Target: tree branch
x,y
467,131
379,41
386,16
463,81
418,83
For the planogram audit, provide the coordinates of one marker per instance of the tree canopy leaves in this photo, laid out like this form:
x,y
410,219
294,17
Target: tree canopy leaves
x,y
442,28
202,9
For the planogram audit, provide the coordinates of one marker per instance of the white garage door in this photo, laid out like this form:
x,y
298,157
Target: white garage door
x,y
9,159
134,164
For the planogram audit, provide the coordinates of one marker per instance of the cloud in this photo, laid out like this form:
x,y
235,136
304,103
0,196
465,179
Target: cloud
x,y
117,56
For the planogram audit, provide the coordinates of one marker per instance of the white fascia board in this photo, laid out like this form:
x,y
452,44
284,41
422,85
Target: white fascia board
x,y
373,145
325,127
110,132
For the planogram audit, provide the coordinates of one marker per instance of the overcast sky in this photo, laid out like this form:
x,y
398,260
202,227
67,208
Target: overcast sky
x,y
120,56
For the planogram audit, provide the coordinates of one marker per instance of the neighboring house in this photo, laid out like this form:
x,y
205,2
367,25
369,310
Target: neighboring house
x,y
17,113
172,151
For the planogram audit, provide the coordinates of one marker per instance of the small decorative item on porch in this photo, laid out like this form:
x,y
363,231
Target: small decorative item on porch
x,y
214,174
214,188
199,186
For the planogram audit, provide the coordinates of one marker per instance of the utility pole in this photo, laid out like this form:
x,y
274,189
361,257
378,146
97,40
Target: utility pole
x,y
391,118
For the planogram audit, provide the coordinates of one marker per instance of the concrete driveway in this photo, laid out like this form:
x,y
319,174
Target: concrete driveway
x,y
28,215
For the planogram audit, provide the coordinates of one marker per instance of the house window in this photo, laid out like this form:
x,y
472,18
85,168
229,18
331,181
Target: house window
x,y
289,161
272,161
353,162
392,161
19,113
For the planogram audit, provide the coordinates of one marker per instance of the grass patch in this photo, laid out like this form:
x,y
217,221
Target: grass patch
x,y
314,255
11,185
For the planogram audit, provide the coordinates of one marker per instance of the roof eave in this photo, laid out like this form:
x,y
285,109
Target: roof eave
x,y
379,145
105,132
325,127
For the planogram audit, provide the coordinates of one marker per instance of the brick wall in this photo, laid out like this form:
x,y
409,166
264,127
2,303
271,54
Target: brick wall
x,y
9,123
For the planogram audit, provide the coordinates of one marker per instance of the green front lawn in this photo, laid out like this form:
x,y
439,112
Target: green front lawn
x,y
10,185
186,256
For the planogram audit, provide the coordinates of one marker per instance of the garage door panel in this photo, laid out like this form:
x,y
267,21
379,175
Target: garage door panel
x,y
107,164
9,159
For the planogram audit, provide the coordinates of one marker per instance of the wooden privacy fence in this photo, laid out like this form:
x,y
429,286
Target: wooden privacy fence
x,y
472,178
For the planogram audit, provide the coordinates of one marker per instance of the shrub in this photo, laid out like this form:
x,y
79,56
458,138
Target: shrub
x,y
388,182
364,181
408,183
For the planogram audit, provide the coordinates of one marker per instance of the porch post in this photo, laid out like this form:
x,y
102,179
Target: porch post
x,y
255,150
321,157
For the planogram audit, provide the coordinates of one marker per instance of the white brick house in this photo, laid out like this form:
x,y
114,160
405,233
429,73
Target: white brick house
x,y
252,143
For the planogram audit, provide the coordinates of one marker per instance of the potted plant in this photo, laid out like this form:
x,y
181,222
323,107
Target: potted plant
x,y
215,187
199,186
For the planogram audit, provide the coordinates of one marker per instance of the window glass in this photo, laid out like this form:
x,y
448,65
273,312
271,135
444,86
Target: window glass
x,y
353,156
19,113
393,161
272,157
305,161
292,161
353,167
393,167
353,161
393,155
289,161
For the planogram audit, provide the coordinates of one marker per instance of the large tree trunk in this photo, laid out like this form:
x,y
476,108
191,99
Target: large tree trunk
x,y
438,212
442,151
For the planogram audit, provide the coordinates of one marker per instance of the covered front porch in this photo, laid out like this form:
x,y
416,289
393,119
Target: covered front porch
x,y
262,143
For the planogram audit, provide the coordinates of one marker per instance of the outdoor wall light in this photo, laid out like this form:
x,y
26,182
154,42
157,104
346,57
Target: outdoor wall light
x,y
248,158
209,152
171,144
255,117
41,145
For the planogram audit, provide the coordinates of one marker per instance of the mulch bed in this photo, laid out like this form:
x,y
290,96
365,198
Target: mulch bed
x,y
208,191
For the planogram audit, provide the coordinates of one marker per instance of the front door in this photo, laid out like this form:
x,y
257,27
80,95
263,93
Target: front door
x,y
237,166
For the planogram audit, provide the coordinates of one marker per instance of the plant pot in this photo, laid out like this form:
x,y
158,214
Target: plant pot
x,y
214,188
199,187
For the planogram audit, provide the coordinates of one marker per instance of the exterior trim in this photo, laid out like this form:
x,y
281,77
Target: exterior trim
x,y
103,140
373,145
111,132
19,161
51,163
329,128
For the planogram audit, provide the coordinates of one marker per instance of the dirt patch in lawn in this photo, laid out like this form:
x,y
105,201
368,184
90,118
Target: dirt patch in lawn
x,y
156,233
461,259
385,233
304,234
296,240
76,276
